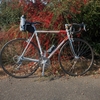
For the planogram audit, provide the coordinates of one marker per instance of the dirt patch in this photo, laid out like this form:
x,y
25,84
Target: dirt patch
x,y
95,70
2,74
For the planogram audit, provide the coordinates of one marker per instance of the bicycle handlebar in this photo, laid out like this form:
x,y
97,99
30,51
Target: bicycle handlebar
x,y
80,26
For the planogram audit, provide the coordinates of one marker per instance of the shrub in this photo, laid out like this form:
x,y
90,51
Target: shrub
x,y
55,14
90,15
10,13
78,11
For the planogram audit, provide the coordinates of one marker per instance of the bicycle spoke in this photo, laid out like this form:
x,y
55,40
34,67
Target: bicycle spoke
x,y
14,65
80,64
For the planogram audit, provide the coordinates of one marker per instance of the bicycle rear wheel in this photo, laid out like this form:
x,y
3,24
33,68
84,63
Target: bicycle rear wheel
x,y
79,64
9,57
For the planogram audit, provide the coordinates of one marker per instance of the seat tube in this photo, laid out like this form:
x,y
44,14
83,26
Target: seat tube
x,y
37,38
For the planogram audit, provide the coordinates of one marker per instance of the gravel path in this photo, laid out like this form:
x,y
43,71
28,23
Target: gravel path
x,y
51,88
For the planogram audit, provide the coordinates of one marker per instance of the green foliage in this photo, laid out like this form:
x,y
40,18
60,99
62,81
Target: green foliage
x,y
78,11
96,47
9,13
64,11
90,15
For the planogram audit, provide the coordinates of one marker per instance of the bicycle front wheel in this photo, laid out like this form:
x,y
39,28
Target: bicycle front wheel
x,y
9,58
79,64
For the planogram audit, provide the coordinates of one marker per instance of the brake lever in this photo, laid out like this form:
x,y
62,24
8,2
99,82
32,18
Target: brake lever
x,y
84,28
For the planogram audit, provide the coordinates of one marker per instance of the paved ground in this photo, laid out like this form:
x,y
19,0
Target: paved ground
x,y
65,88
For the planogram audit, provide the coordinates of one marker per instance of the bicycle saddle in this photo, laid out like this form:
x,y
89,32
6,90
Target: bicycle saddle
x,y
29,26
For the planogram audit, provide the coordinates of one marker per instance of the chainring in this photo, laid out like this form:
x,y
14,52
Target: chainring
x,y
44,60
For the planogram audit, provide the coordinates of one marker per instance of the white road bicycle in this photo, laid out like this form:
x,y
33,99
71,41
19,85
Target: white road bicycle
x,y
21,58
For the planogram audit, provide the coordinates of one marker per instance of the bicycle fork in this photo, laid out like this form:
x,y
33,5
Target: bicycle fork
x,y
70,40
71,46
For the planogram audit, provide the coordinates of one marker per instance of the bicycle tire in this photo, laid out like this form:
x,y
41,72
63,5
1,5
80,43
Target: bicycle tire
x,y
8,55
76,66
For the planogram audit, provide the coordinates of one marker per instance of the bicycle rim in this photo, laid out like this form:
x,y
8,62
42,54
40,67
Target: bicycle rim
x,y
80,64
11,51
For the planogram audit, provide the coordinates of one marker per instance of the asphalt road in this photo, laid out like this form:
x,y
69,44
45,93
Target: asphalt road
x,y
65,88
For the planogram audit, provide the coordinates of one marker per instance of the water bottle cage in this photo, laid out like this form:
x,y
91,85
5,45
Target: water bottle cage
x,y
51,49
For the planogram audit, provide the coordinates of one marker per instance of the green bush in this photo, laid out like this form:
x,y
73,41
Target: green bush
x,y
9,14
90,15
80,11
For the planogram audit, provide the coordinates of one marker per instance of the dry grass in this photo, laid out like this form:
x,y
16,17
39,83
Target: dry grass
x,y
55,70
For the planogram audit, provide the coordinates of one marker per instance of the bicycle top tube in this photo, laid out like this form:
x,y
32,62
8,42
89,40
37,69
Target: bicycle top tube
x,y
29,26
51,31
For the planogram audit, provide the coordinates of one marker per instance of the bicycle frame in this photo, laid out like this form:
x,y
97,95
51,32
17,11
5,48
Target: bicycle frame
x,y
51,54
39,45
43,54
